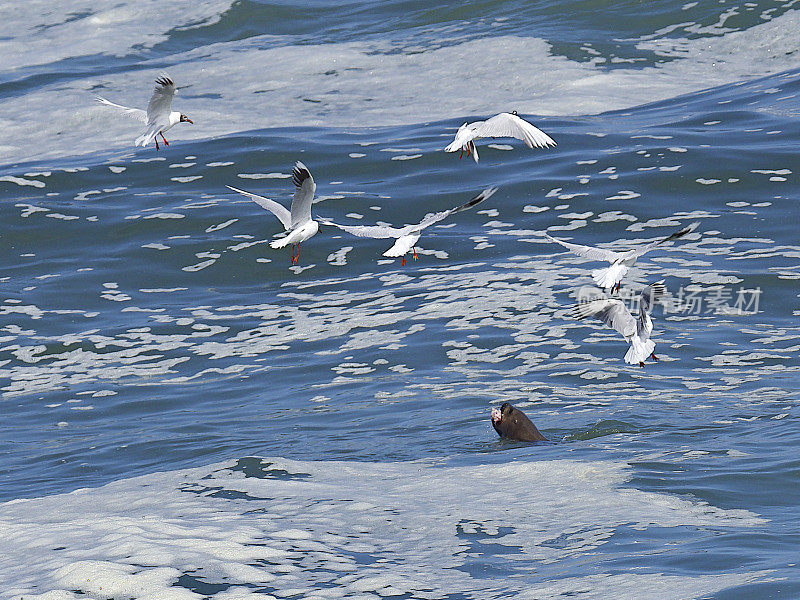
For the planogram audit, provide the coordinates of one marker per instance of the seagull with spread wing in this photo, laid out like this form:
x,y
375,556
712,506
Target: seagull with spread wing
x,y
611,277
502,125
636,331
407,237
297,221
159,116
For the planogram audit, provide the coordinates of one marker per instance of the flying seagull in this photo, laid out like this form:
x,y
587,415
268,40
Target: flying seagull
x,y
611,277
407,237
636,331
502,125
297,221
158,117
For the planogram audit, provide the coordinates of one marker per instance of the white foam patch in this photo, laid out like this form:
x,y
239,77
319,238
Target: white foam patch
x,y
21,181
339,258
219,226
41,32
373,83
297,528
625,195
264,175
529,208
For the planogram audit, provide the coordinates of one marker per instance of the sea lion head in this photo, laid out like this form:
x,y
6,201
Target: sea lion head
x,y
510,422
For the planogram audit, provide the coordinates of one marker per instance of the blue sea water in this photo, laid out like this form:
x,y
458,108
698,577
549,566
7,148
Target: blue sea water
x,y
186,415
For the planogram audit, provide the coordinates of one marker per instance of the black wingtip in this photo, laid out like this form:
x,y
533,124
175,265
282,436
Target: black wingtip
x,y
657,290
691,227
579,311
300,173
164,81
487,193
682,232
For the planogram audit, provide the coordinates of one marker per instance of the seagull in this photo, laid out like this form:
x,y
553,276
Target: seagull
x,y
297,222
406,237
502,125
611,277
636,331
158,117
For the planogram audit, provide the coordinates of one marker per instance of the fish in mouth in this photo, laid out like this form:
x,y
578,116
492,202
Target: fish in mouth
x,y
511,423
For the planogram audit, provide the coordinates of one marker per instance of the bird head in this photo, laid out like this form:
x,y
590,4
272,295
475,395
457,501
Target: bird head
x,y
186,119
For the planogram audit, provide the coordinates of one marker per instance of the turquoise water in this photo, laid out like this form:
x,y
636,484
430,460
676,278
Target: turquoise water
x,y
186,415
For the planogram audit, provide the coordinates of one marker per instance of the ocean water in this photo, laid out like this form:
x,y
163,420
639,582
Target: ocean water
x,y
185,415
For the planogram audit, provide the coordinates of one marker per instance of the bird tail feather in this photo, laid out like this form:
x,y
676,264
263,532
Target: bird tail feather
x,y
144,139
639,351
608,277
280,243
400,247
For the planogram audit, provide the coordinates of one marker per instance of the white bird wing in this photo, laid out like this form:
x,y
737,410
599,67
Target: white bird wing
x,y
160,104
509,125
611,311
649,296
385,231
370,231
303,193
464,135
637,252
432,218
587,251
276,209
136,113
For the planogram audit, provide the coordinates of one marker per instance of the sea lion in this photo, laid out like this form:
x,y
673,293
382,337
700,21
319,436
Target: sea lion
x,y
511,423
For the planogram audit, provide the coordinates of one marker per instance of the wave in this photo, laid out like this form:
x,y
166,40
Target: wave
x,y
333,529
242,85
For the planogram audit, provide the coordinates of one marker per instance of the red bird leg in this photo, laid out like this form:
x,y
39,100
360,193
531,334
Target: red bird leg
x,y
460,154
291,261
414,256
469,151
297,256
653,356
641,364
165,139
156,139
404,260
